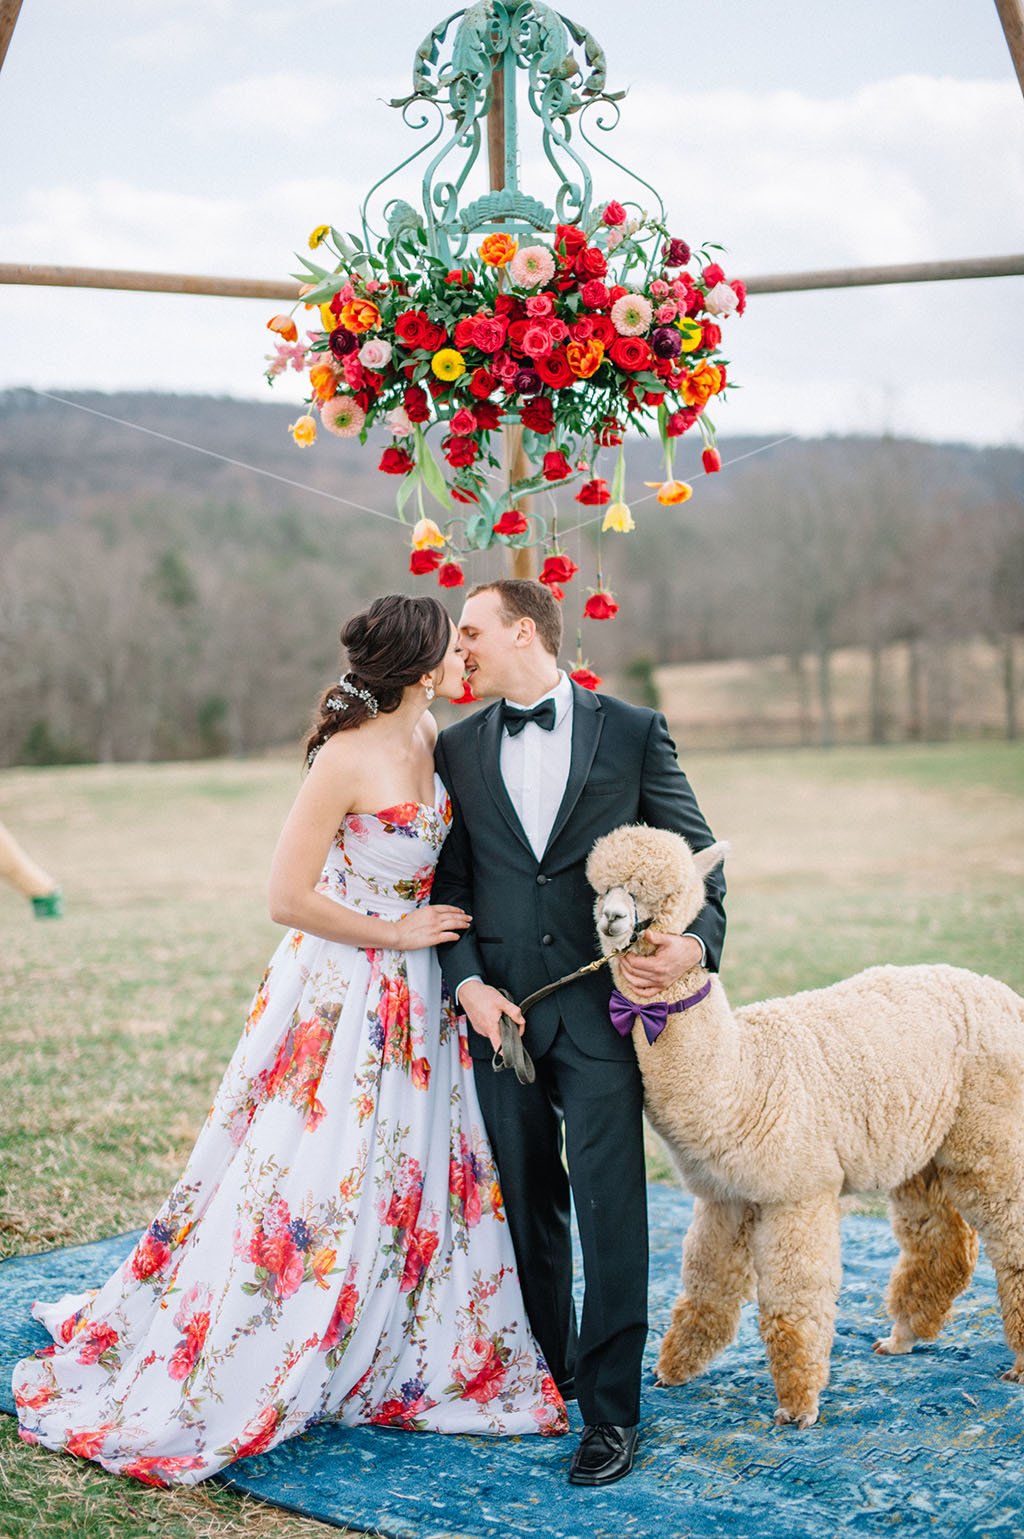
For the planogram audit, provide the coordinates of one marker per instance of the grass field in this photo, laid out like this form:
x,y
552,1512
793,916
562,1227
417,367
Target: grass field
x,y
116,1021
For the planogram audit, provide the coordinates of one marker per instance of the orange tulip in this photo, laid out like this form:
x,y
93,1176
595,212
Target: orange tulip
x,y
585,358
704,382
498,250
324,381
360,315
671,492
284,326
303,431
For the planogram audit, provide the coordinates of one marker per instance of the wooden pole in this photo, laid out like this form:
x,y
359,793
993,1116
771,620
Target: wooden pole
x,y
904,272
284,291
8,16
522,558
1011,14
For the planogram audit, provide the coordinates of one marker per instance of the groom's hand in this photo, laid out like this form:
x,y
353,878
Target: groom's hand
x,y
484,1007
674,955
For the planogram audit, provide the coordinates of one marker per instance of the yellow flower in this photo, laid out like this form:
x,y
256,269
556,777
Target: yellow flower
x,y
328,319
618,518
318,235
448,364
303,431
691,332
671,492
425,534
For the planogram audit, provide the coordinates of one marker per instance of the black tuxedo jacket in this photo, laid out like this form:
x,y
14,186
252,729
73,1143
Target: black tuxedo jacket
x,y
533,920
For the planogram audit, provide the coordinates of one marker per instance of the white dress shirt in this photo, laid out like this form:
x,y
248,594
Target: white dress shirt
x,y
535,765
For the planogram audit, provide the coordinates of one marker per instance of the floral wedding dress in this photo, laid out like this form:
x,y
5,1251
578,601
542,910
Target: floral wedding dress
x,y
336,1246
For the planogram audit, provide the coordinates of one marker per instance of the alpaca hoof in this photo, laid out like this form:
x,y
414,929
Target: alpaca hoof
x,y
1014,1375
893,1346
802,1421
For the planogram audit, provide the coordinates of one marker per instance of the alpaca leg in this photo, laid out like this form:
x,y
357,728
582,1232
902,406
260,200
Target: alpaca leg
x,y
717,1277
997,1207
938,1251
796,1254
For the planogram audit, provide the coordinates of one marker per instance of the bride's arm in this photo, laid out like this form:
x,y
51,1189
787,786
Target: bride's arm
x,y
325,797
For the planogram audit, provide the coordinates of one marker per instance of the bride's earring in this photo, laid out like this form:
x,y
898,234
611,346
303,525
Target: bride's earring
x,y
429,687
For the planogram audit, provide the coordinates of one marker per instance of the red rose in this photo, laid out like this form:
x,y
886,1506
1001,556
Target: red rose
x,y
463,336
590,262
481,383
616,292
653,397
488,416
712,274
414,398
516,332
739,288
600,606
414,328
614,214
569,239
557,569
556,466
712,461
487,333
586,678
630,354
711,334
594,493
675,253
601,329
538,415
511,522
594,294
459,451
425,561
460,275
555,371
396,461
680,421
451,575
463,421
508,305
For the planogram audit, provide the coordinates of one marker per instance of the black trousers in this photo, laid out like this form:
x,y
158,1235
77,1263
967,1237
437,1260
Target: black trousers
x,y
599,1102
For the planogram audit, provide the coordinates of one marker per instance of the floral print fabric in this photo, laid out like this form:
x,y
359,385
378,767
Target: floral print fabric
x,y
336,1246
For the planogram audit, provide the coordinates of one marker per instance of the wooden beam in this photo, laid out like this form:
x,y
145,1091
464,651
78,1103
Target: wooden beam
x,y
904,272
8,16
285,290
1011,14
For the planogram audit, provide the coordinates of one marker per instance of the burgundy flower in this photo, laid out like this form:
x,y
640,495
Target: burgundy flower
x,y
526,382
488,416
342,342
675,253
666,342
538,415
414,398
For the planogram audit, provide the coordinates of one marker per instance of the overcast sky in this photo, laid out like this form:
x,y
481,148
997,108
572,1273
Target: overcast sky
x,y
210,136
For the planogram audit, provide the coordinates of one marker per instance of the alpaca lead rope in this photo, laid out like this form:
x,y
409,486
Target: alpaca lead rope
x,y
512,1054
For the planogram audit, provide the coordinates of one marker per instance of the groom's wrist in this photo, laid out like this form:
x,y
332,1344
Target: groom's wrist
x,y
473,978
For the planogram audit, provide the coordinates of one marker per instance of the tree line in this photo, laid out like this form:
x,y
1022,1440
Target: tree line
x,y
156,603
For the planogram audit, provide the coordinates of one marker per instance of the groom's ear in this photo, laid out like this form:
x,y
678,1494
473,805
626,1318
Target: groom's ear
x,y
526,629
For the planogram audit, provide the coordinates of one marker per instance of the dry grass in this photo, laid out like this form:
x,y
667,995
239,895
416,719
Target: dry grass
x,y
116,1022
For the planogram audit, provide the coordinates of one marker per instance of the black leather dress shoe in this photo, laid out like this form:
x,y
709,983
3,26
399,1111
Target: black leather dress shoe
x,y
605,1453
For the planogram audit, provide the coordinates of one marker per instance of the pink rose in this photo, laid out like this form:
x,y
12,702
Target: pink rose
x,y
540,305
659,288
666,312
375,354
614,213
536,341
721,300
463,423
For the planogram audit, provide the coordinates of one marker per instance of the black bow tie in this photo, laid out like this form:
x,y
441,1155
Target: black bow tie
x,y
515,720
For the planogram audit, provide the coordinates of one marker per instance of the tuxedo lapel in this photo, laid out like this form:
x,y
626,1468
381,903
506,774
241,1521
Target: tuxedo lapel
x,y
587,722
489,743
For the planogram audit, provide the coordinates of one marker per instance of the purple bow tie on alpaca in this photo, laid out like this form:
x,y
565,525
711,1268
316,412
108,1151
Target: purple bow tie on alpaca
x,y
654,1015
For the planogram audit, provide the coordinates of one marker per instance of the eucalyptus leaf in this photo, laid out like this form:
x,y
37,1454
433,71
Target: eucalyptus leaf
x,y
405,491
433,477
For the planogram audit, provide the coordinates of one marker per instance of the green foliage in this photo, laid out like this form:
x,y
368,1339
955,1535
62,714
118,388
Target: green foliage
x,y
41,746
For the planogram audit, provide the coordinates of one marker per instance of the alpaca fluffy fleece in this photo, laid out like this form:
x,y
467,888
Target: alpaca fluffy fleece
x,y
907,1080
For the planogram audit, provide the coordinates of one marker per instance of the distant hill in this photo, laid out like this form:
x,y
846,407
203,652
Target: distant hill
x,y
157,601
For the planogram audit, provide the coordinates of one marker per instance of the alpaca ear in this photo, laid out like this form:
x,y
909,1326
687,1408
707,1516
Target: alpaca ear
x,y
706,860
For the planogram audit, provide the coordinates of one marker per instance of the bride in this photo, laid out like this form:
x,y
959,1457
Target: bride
x,y
336,1246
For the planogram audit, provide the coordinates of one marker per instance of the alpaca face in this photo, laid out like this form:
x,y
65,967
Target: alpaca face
x,y
617,914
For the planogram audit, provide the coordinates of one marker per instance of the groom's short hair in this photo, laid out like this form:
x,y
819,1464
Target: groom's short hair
x,y
520,598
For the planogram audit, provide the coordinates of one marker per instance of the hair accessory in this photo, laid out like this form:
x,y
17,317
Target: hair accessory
x,y
335,703
370,701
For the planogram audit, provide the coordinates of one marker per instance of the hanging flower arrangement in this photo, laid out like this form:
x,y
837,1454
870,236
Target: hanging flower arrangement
x,y
607,325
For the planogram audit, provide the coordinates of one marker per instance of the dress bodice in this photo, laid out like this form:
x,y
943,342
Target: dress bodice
x,y
383,862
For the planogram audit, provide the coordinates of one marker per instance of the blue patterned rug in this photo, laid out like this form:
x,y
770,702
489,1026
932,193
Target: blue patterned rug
x,y
927,1444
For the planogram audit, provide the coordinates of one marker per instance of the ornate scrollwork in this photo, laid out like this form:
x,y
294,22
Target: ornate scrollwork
x,y
566,74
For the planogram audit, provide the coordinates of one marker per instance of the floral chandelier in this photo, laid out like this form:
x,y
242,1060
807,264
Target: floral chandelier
x,y
504,324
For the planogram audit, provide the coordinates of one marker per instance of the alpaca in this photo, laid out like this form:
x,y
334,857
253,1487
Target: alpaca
x,y
905,1080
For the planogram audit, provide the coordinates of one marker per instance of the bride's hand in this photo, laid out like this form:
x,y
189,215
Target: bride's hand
x,y
430,926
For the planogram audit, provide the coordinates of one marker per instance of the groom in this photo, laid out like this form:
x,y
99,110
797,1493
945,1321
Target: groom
x,y
535,779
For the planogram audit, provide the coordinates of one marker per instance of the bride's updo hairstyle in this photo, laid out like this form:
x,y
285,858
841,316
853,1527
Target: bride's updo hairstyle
x,y
390,646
